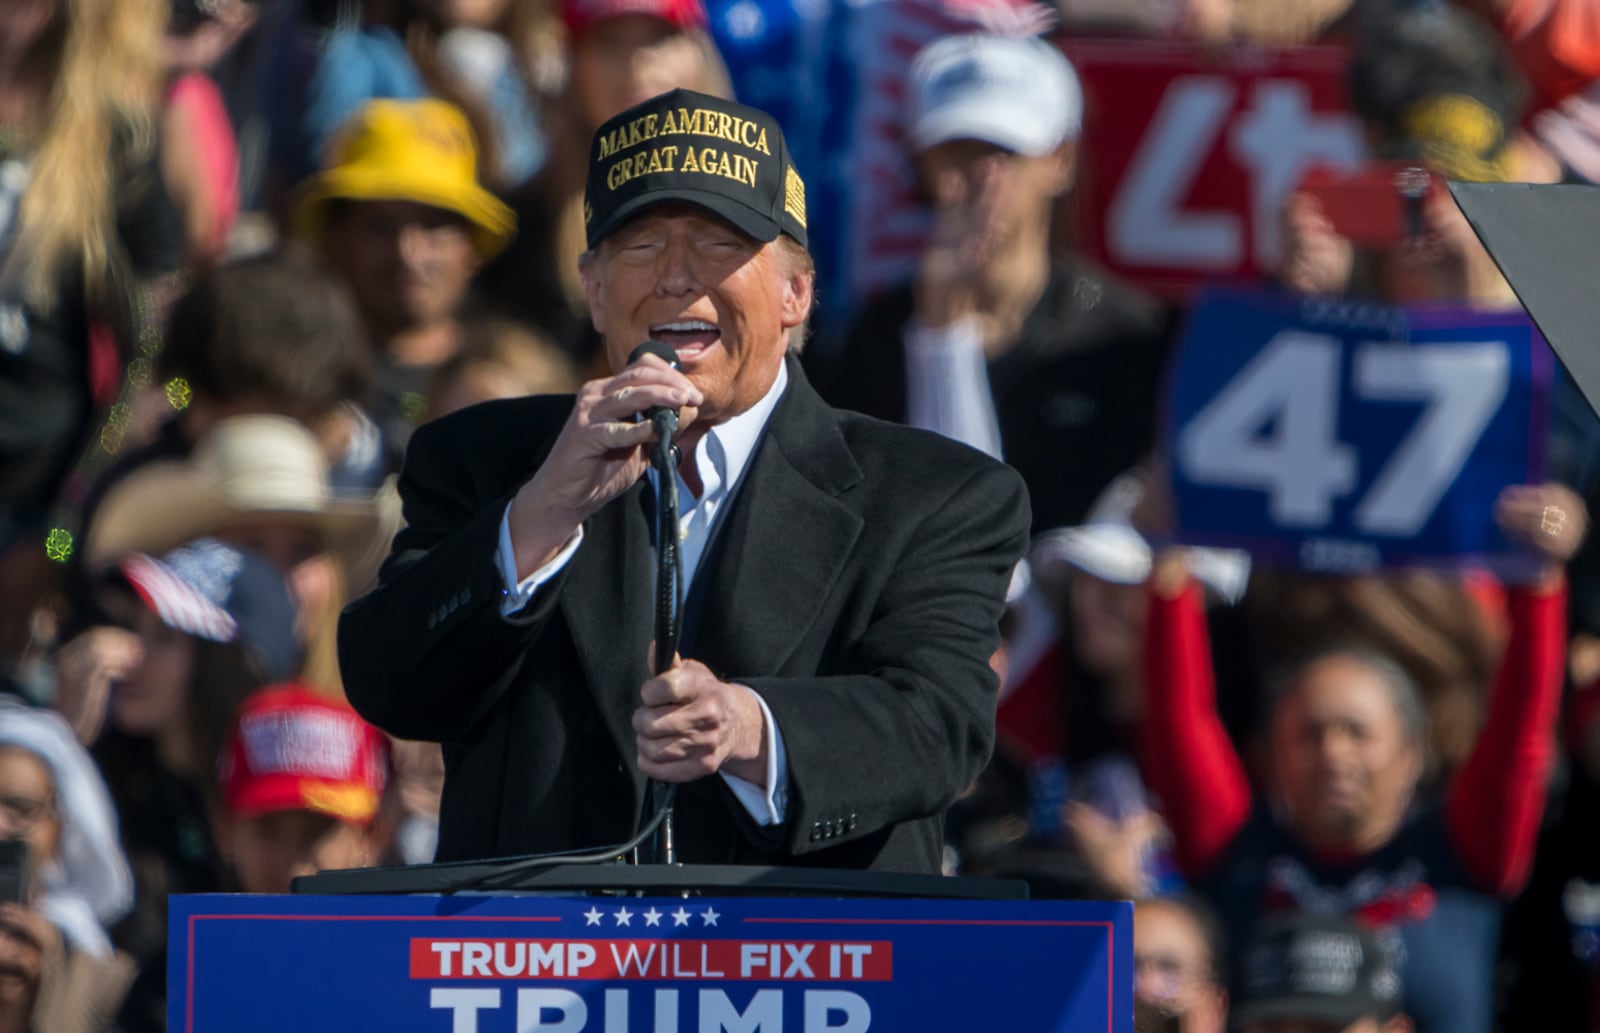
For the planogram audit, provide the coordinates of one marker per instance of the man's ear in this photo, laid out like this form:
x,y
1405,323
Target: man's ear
x,y
798,294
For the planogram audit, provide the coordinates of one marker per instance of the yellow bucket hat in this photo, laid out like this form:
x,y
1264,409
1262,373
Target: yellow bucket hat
x,y
407,150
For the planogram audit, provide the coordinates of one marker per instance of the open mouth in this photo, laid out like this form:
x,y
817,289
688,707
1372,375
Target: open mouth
x,y
687,337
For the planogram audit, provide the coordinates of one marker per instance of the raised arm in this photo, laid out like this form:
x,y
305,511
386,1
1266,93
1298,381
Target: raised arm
x,y
1186,755
1497,798
427,653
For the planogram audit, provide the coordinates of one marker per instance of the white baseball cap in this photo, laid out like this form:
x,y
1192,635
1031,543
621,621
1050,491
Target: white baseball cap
x,y
1016,92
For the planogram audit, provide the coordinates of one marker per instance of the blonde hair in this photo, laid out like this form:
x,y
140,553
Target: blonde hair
x,y
104,93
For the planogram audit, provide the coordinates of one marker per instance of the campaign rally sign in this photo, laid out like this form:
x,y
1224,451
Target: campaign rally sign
x,y
243,964
1189,152
1342,437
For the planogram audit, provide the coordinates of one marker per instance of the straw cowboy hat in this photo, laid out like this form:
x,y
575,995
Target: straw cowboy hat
x,y
247,466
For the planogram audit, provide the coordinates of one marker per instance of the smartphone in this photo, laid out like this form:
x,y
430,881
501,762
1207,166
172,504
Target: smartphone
x,y
1378,205
14,872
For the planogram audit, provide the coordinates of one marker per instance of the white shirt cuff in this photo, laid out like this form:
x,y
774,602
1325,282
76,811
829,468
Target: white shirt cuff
x,y
947,384
519,593
766,806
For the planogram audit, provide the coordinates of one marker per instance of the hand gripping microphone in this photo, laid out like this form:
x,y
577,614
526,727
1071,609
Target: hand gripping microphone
x,y
664,419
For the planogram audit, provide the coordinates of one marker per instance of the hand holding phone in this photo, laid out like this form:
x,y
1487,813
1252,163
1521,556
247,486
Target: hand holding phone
x,y
1377,206
14,871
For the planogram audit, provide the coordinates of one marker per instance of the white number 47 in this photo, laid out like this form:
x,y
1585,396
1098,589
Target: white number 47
x,y
1301,463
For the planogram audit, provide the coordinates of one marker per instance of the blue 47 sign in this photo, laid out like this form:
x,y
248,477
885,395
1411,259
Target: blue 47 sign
x,y
1341,437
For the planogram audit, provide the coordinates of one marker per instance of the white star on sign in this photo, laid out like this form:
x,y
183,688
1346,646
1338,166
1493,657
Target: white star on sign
x,y
680,917
652,917
624,917
710,916
593,915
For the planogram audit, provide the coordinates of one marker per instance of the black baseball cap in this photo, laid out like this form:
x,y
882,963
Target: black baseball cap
x,y
691,148
1438,85
1318,968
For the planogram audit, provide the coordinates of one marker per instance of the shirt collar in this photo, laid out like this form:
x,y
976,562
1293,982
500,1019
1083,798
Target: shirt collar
x,y
729,445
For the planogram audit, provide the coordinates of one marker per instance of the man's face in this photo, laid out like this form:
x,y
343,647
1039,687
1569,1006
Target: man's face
x,y
722,301
407,264
1001,193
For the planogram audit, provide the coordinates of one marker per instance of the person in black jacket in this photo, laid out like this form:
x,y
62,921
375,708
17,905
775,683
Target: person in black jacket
x,y
1046,362
845,576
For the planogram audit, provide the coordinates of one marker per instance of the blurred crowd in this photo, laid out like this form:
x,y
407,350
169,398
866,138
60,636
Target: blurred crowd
x,y
246,246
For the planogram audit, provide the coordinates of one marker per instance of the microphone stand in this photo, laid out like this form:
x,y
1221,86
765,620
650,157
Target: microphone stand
x,y
668,607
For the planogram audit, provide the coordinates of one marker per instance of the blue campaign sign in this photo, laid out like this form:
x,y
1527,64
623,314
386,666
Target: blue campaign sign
x,y
244,964
1341,437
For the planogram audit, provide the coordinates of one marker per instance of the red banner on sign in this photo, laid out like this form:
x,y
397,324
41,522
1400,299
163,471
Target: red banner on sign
x,y
666,959
1188,153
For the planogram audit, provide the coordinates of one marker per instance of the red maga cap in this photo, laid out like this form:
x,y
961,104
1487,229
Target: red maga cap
x,y
292,750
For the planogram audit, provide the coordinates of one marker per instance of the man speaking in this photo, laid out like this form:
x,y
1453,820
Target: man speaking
x,y
844,576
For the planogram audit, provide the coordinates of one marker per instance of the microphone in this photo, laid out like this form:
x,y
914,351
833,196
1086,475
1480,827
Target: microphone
x,y
669,586
664,419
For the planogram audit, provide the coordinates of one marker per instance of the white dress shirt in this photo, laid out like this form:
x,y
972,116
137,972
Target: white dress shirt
x,y
947,384
721,457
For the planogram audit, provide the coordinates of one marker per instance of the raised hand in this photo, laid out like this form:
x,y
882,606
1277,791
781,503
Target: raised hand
x,y
1316,259
600,452
1549,518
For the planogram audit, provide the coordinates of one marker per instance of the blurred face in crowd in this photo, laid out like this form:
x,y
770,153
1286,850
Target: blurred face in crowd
x,y
28,802
408,265
1173,974
27,812
1107,624
198,43
723,301
1344,761
154,696
471,14
1003,194
619,62
270,850
299,552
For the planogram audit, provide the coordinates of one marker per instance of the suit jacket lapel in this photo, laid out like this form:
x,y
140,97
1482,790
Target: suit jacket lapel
x,y
786,540
608,604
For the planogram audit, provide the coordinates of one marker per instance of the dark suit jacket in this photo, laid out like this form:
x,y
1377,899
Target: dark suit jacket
x,y
857,584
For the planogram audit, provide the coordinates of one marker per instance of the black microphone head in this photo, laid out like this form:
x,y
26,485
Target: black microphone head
x,y
659,349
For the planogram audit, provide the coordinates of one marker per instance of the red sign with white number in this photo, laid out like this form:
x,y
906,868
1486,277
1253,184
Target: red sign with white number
x,y
1188,153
